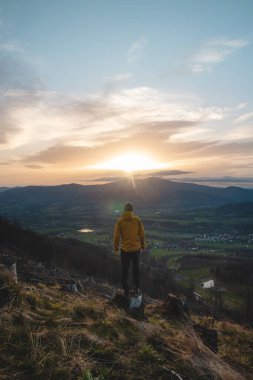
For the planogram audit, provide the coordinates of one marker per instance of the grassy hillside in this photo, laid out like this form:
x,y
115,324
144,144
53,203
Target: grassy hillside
x,y
49,333
46,333
85,257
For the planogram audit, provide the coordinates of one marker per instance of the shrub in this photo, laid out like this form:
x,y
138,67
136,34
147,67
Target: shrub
x,y
148,354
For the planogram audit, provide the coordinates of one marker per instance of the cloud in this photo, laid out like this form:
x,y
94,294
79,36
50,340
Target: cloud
x,y
115,81
88,121
240,106
20,111
78,131
60,154
135,50
16,68
212,157
105,179
168,173
19,86
113,178
143,139
231,150
7,126
241,134
121,77
226,179
34,166
71,132
244,117
214,52
5,163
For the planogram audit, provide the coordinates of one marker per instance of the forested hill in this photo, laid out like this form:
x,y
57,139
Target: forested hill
x,y
236,210
145,192
3,189
65,253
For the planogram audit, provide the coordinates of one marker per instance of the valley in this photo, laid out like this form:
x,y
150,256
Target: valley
x,y
195,244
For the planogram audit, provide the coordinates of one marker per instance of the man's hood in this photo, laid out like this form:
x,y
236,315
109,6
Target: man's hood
x,y
128,215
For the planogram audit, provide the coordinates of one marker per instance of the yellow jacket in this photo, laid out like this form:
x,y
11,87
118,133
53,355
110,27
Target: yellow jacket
x,y
130,231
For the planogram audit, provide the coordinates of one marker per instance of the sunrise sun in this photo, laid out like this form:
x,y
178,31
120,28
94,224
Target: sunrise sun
x,y
131,162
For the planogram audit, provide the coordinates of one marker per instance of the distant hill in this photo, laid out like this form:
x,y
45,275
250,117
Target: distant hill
x,y
151,192
236,210
3,189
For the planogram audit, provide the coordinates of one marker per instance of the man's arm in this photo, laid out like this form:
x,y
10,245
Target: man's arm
x,y
116,238
142,235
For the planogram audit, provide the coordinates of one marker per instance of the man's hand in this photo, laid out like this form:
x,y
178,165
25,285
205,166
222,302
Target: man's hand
x,y
143,249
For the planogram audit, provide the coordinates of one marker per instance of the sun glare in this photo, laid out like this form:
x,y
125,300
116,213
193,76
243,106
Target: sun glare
x,y
131,162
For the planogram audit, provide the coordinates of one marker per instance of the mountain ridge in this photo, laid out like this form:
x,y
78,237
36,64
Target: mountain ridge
x,y
143,191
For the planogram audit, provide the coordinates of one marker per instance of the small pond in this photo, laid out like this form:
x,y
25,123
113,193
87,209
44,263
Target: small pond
x,y
86,230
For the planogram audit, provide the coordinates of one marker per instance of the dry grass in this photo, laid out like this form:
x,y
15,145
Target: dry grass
x,y
56,335
187,347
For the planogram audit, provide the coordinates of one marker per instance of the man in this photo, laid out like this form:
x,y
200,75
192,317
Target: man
x,y
130,231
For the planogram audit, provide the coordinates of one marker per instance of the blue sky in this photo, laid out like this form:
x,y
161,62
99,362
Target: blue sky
x,y
87,78
81,43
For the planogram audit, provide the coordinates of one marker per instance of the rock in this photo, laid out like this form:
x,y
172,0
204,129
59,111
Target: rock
x,y
121,301
133,305
175,306
135,302
136,306
208,336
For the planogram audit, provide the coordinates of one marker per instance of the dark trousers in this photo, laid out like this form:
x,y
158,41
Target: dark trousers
x,y
126,258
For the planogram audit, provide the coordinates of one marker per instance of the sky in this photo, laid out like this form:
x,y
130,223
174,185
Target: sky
x,y
90,88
